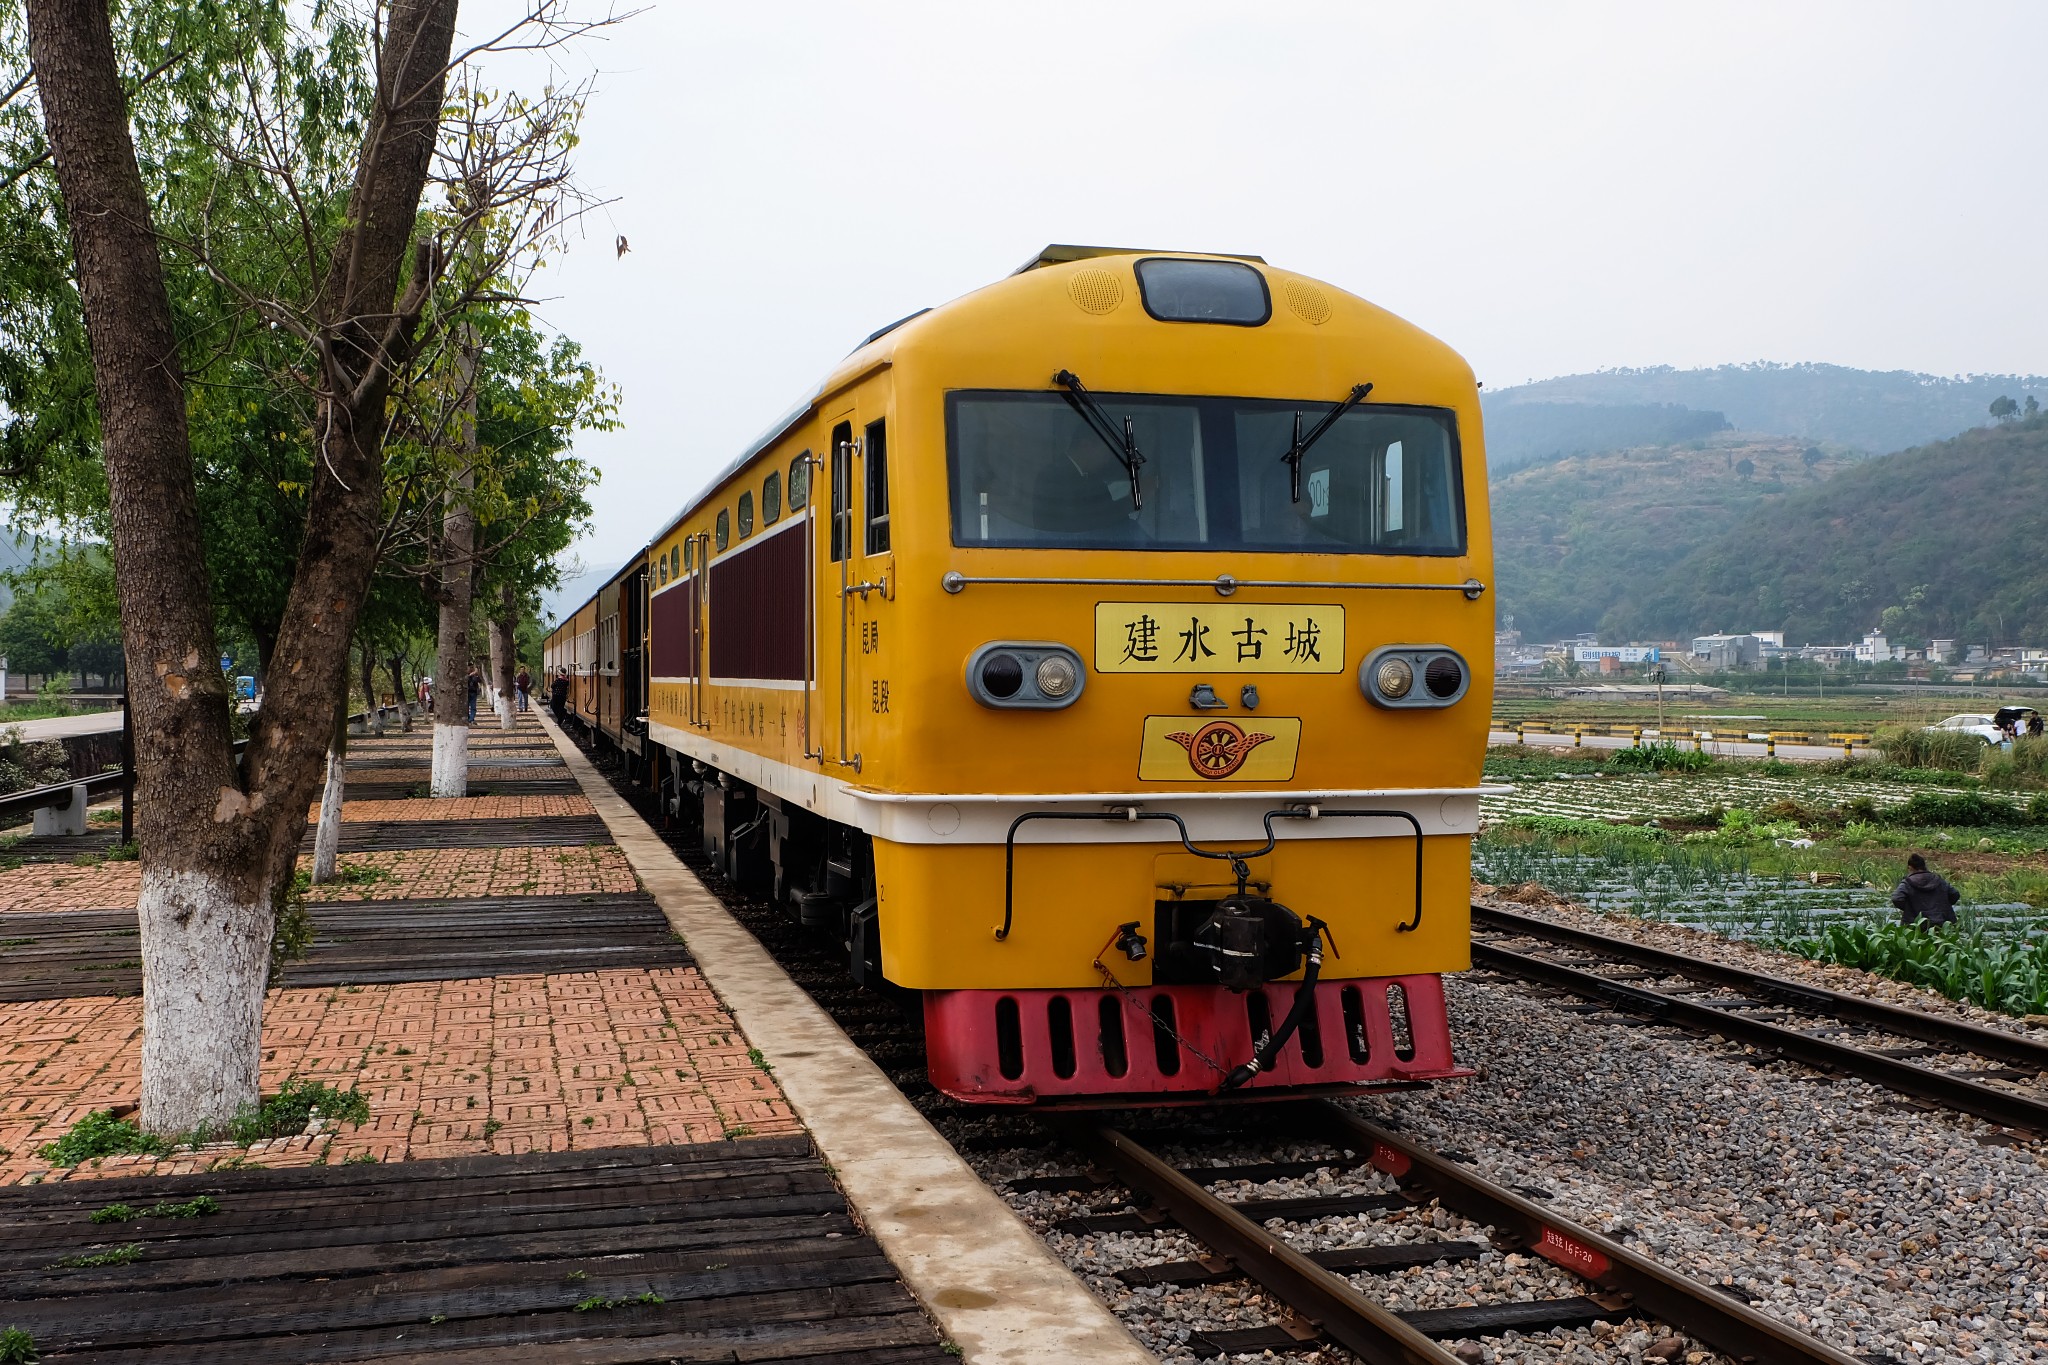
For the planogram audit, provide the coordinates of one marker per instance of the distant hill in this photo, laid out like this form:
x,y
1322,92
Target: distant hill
x,y
1947,539
1873,411
1520,433
1579,540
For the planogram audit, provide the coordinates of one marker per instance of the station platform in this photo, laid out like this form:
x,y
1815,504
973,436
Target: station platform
x,y
576,1150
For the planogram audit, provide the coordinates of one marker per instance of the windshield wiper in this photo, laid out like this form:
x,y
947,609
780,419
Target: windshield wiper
x,y
1292,459
1124,447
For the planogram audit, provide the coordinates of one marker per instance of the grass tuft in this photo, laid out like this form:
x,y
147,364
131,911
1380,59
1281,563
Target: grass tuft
x,y
100,1134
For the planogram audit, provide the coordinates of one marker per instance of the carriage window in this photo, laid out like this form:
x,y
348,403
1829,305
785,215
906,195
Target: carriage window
x,y
690,552
842,490
771,498
675,561
1027,471
800,482
722,534
661,574
876,453
746,514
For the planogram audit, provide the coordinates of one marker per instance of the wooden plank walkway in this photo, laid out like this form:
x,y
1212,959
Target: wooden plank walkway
x,y
359,836
46,956
718,1252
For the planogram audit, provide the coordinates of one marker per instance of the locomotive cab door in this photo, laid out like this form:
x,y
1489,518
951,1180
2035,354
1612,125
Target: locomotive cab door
x,y
832,627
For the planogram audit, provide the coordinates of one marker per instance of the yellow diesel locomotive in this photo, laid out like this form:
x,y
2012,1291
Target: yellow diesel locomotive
x,y
1095,655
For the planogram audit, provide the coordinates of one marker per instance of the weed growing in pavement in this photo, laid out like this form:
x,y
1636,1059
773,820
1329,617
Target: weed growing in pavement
x,y
491,1126
100,1134
197,1207
15,942
286,1113
599,1301
126,1255
754,1056
360,1159
104,816
125,853
735,1131
17,1348
578,1275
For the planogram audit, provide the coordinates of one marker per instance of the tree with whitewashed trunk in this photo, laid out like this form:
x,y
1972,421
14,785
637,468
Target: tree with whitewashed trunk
x,y
327,252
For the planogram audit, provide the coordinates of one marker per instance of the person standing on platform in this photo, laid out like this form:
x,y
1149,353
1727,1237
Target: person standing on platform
x,y
523,686
475,684
558,695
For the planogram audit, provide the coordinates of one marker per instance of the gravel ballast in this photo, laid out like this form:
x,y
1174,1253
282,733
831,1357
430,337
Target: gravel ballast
x,y
1882,1231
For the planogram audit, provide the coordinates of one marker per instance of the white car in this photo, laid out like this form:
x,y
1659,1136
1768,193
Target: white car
x,y
1982,726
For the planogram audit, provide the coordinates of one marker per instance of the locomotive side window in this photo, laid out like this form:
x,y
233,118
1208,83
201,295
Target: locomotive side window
x,y
842,490
746,514
675,561
876,453
722,533
800,482
690,553
771,498
1027,471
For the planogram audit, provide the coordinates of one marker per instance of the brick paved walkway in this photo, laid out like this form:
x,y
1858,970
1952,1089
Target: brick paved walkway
x,y
505,1064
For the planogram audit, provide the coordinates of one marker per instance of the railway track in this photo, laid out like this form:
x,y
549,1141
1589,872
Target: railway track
x,y
1319,1288
1326,1305
1999,1077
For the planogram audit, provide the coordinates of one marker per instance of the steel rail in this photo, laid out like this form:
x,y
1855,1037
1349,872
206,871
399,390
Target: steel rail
x,y
1907,1023
1331,1302
1654,1291
2002,1107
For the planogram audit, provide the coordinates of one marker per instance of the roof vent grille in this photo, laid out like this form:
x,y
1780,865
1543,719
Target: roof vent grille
x,y
1309,303
1095,291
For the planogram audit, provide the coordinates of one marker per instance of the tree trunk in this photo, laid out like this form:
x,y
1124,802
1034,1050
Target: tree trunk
x,y
327,839
369,669
503,624
398,691
458,585
217,843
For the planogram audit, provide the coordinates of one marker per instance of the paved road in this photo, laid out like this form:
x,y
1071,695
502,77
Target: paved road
x,y
69,727
1808,753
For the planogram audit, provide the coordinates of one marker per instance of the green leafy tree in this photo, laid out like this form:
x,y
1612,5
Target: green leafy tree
x,y
32,635
2004,408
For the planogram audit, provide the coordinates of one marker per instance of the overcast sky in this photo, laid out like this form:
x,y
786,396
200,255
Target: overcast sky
x,y
1550,188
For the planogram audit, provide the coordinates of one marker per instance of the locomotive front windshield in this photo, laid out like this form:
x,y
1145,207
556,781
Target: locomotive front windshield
x,y
1028,471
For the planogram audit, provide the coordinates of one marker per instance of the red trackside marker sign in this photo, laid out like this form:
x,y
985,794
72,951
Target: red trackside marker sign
x,y
1574,1256
1387,1159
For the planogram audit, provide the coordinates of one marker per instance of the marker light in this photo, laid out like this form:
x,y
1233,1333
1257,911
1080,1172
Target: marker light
x,y
1055,676
1025,675
1002,675
1394,678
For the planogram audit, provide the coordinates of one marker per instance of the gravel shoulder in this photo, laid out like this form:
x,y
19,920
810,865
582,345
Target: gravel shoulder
x,y
1886,1232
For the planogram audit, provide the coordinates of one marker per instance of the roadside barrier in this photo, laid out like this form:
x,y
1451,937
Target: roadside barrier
x,y
1637,735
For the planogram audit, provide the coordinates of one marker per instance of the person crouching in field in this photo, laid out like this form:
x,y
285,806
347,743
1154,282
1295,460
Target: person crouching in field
x,y
1925,898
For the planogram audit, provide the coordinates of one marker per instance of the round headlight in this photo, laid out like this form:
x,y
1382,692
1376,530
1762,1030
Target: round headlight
x,y
1394,678
1055,676
1001,675
1443,677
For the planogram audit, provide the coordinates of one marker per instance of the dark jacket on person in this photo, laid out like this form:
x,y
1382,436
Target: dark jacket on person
x,y
1926,897
558,694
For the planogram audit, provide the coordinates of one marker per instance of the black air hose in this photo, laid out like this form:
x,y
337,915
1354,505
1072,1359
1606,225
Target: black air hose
x,y
1267,1048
